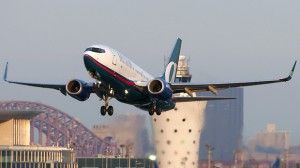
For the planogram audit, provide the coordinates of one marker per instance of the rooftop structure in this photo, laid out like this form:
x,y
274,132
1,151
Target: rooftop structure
x,y
183,70
27,115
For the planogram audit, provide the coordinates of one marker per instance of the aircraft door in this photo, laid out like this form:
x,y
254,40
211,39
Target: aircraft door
x,y
115,60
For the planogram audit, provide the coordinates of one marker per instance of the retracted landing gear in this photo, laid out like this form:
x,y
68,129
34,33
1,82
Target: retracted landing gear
x,y
107,108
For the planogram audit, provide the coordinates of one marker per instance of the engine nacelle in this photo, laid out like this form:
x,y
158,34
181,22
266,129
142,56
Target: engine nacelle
x,y
78,90
160,89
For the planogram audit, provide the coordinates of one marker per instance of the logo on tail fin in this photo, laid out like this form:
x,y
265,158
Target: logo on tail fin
x,y
171,69
170,72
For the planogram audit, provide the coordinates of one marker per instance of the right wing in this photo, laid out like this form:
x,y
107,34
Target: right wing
x,y
60,87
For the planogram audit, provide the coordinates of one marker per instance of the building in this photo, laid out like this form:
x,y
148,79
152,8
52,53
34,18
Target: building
x,y
177,132
223,126
15,148
115,162
273,138
128,132
269,144
36,157
15,127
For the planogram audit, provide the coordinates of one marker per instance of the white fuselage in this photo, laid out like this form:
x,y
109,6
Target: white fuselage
x,y
119,64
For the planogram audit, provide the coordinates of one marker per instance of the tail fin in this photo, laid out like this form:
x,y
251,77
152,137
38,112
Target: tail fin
x,y
171,68
276,163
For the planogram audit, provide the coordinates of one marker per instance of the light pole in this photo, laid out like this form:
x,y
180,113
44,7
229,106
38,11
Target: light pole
x,y
122,150
137,164
107,151
287,156
152,158
209,148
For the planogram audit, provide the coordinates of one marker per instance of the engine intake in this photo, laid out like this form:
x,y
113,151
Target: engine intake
x,y
160,89
78,89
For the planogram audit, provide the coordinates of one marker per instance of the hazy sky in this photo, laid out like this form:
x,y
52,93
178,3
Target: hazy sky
x,y
227,41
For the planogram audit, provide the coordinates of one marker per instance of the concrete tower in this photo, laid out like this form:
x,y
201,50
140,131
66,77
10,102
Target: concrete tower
x,y
177,132
15,125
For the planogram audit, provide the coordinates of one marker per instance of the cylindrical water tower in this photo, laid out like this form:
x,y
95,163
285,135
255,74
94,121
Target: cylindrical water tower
x,y
177,132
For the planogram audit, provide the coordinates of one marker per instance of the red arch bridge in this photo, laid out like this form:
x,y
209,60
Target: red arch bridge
x,y
54,127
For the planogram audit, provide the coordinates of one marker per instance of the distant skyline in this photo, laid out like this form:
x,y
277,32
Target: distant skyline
x,y
227,41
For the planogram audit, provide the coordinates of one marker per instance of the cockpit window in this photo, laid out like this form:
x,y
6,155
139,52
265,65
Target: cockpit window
x,y
97,50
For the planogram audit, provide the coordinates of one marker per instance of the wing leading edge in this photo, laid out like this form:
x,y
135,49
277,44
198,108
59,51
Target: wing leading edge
x,y
214,87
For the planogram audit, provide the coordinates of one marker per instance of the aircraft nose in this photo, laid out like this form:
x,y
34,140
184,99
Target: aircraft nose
x,y
87,59
88,55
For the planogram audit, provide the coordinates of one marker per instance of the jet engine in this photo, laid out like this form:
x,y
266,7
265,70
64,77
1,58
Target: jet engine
x,y
160,89
78,90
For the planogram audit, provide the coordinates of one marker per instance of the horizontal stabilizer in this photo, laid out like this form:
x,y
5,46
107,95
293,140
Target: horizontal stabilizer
x,y
201,98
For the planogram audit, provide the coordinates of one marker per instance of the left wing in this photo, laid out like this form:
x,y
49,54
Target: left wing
x,y
214,87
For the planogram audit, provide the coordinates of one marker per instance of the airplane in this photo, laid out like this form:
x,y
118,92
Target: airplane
x,y
118,77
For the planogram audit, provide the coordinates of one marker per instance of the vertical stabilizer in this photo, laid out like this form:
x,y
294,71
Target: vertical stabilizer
x,y
276,163
171,68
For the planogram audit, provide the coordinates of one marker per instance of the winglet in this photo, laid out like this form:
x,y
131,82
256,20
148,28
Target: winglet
x,y
291,73
5,72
